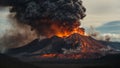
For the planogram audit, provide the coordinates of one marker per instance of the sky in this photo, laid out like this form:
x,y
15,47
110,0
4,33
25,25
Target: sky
x,y
100,12
4,23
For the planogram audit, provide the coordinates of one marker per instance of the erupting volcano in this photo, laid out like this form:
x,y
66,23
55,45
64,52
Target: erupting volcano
x,y
59,22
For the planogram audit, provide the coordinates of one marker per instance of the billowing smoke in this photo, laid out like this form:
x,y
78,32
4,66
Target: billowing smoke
x,y
42,14
14,35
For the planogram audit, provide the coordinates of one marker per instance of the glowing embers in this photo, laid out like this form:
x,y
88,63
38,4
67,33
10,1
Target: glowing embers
x,y
61,56
70,56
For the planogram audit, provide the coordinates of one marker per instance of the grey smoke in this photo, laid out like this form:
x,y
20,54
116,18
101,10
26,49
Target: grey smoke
x,y
13,35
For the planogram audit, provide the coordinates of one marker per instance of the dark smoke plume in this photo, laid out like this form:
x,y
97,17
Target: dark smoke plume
x,y
41,14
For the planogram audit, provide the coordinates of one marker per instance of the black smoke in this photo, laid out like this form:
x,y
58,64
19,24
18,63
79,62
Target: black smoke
x,y
39,13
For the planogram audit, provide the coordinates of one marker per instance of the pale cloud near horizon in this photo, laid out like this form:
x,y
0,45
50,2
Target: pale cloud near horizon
x,y
100,12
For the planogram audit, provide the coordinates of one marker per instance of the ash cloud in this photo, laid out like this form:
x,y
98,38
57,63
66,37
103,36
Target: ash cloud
x,y
39,13
62,10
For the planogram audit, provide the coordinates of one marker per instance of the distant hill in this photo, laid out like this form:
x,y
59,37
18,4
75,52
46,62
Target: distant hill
x,y
110,27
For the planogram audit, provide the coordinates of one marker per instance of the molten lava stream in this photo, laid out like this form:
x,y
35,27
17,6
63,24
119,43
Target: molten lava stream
x,y
48,55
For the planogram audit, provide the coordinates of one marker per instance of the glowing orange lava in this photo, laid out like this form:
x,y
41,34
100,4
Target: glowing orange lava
x,y
66,33
49,55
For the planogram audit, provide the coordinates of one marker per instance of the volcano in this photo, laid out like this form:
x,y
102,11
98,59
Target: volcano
x,y
59,22
75,46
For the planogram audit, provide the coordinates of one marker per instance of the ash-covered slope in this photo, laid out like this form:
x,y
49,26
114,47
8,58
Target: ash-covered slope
x,y
75,46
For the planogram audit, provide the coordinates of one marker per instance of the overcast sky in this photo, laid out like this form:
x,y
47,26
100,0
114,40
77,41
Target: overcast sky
x,y
101,11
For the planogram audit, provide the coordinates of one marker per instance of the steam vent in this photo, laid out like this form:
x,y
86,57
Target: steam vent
x,y
59,22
